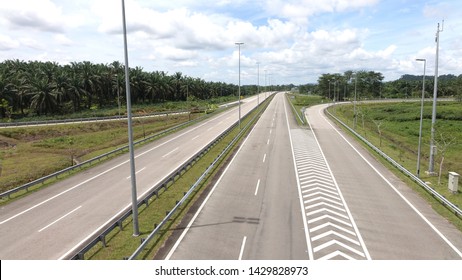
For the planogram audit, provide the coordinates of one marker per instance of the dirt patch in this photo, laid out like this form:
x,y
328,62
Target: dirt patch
x,y
6,142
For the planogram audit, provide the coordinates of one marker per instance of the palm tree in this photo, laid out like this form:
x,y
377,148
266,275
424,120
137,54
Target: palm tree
x,y
178,84
44,95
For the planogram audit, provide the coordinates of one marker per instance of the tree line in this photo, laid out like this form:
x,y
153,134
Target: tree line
x,y
47,88
370,85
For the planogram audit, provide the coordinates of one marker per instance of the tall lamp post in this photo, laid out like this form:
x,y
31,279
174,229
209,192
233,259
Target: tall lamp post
x,y
328,94
239,45
421,115
266,85
258,83
431,166
136,230
118,92
354,104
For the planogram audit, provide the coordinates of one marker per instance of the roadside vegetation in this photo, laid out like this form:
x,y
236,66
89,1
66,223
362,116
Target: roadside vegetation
x,y
394,128
36,90
29,153
302,101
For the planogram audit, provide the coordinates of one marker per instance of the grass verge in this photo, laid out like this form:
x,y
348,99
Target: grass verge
x,y
397,135
121,244
39,151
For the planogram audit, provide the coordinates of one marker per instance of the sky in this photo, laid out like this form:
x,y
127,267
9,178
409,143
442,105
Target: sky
x,y
285,41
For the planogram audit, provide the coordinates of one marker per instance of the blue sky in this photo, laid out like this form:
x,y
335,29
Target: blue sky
x,y
294,41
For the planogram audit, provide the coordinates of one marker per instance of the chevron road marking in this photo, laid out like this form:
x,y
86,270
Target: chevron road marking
x,y
332,242
336,254
332,232
329,224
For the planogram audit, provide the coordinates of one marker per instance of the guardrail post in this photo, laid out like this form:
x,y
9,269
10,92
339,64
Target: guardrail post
x,y
102,238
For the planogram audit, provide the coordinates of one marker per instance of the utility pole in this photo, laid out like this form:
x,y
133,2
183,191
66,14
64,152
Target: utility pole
x,y
431,166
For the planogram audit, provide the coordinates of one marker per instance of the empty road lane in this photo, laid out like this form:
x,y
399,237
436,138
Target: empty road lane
x,y
254,210
393,220
53,222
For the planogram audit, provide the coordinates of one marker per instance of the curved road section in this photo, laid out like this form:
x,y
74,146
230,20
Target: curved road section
x,y
312,193
394,222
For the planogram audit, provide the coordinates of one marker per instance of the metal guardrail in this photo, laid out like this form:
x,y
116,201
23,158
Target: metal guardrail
x,y
451,206
302,118
127,212
93,160
90,119
193,187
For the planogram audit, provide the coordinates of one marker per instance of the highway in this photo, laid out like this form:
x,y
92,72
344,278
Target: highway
x,y
253,211
298,193
55,221
288,193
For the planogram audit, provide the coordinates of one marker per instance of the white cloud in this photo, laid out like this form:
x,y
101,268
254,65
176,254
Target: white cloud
x,y
197,37
300,10
63,40
175,54
7,43
41,15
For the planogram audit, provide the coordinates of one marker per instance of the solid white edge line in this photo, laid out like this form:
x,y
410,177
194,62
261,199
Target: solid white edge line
x,y
63,192
106,171
183,234
242,248
49,225
363,244
65,255
396,190
302,206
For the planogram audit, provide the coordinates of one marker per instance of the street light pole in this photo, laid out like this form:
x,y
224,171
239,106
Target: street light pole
x,y
421,115
136,230
431,166
239,45
266,85
354,104
258,83
328,94
118,93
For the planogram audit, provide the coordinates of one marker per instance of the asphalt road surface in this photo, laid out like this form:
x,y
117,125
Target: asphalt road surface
x,y
394,222
254,210
312,193
53,222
